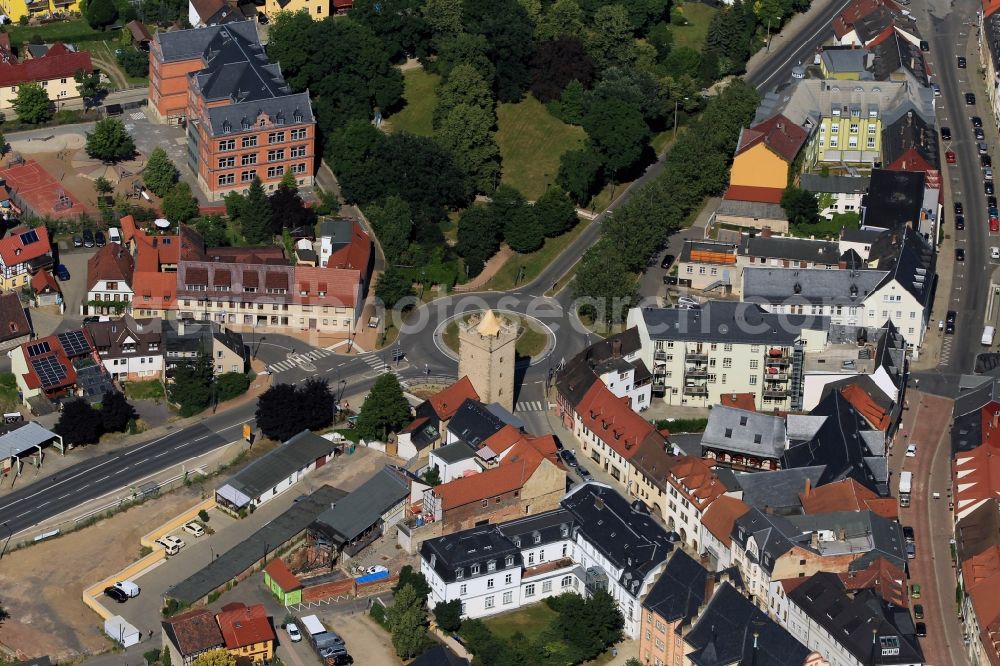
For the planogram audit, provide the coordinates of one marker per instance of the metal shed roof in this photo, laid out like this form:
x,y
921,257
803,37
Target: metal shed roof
x,y
25,438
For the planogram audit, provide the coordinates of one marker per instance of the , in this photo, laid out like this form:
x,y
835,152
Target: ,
x,y
994,252
293,632
960,222
959,254
970,99
667,260
915,591
918,611
977,122
62,272
994,224
961,62
911,451
946,133
949,157
88,238
117,594
921,629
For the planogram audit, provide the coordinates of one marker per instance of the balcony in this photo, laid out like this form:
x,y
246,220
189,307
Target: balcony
x,y
696,390
697,373
659,356
775,393
778,362
547,568
776,377
696,357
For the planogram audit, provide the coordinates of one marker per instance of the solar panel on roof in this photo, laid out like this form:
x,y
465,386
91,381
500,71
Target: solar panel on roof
x,y
29,237
49,370
74,342
38,349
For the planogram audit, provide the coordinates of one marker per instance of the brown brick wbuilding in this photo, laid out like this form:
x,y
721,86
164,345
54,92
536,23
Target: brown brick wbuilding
x,y
242,119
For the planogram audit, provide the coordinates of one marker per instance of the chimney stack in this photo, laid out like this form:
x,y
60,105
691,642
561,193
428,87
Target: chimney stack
x,y
814,539
709,586
808,487
765,232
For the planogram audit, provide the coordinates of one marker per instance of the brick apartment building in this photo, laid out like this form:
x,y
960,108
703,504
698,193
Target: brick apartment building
x,y
243,121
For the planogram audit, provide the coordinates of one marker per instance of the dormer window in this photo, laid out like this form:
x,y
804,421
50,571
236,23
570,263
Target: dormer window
x,y
517,541
475,569
537,537
459,572
564,530
491,565
509,561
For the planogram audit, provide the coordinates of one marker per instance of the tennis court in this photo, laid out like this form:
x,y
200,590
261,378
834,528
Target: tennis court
x,y
34,189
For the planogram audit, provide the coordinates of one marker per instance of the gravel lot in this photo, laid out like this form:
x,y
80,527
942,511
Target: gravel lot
x,y
43,584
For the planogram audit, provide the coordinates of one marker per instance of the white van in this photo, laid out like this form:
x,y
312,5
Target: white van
x,y
115,235
128,587
987,336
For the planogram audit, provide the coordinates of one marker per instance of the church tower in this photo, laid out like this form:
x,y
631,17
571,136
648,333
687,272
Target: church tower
x,y
486,357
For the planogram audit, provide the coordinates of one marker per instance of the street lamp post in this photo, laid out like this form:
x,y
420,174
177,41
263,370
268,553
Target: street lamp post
x,y
768,49
676,104
10,533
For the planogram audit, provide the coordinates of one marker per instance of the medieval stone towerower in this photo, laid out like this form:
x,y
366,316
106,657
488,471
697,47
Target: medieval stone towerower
x,y
486,357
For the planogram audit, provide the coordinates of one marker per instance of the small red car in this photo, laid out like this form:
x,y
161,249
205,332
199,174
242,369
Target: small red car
x,y
950,157
994,224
